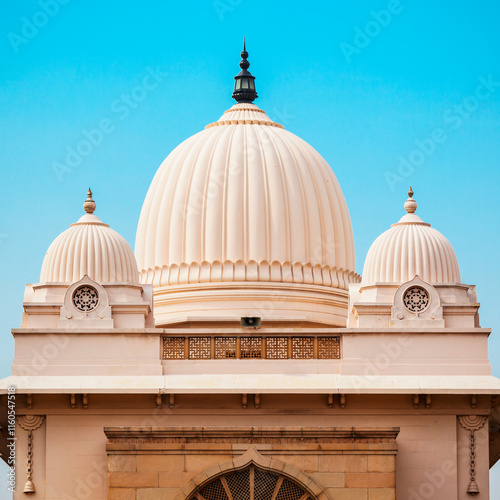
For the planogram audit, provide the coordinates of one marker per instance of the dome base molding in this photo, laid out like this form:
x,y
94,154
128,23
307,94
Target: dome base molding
x,y
253,271
273,302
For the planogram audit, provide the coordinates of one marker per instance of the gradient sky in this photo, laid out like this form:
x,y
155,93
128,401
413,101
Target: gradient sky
x,y
390,92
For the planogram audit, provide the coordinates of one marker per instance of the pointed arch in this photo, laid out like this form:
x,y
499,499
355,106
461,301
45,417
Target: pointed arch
x,y
252,472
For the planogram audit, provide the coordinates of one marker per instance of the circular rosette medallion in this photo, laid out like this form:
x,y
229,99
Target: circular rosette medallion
x,y
85,298
416,299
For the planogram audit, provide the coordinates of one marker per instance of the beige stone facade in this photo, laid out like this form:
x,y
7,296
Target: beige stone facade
x,y
326,462
355,446
244,358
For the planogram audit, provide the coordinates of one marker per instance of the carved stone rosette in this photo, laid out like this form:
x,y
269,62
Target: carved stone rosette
x,y
472,423
30,423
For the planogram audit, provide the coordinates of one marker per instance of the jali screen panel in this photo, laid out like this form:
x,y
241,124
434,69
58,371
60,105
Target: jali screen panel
x,y
251,347
251,483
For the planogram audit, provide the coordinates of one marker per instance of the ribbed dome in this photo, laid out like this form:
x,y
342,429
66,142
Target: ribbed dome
x,y
245,200
89,247
411,247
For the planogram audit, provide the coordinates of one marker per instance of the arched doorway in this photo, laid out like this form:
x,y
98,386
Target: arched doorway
x,y
251,483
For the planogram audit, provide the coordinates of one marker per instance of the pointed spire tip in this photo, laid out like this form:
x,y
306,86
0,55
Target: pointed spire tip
x,y
89,204
244,85
410,203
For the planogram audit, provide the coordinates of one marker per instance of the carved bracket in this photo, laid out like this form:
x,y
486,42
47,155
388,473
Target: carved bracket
x,y
257,400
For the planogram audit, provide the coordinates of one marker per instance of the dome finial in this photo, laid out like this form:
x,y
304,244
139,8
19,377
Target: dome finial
x,y
244,85
89,204
410,203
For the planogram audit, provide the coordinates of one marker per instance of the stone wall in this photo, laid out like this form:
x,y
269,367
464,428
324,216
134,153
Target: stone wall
x,y
172,463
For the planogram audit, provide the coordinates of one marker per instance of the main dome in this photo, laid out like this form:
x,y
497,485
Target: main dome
x,y
244,201
243,190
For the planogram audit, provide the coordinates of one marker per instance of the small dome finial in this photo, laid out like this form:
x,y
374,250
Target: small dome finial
x,y
410,203
244,84
89,204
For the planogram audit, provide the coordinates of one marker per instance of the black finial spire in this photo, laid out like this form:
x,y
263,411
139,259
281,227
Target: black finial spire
x,y
244,84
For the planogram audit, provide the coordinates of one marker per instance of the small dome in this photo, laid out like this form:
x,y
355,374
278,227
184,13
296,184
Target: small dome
x,y
411,247
89,247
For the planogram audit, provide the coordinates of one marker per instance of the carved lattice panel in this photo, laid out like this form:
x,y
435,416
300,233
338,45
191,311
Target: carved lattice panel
x,y
250,347
225,347
233,347
265,484
239,484
302,347
173,347
277,348
289,491
251,483
199,348
214,491
328,347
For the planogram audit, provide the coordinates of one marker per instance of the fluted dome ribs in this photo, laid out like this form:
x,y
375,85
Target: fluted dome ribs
x,y
409,248
245,200
89,247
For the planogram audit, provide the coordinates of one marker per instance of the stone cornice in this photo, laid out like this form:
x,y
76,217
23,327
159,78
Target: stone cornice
x,y
211,433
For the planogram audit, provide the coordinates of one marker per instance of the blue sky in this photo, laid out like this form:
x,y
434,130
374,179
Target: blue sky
x,y
391,93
